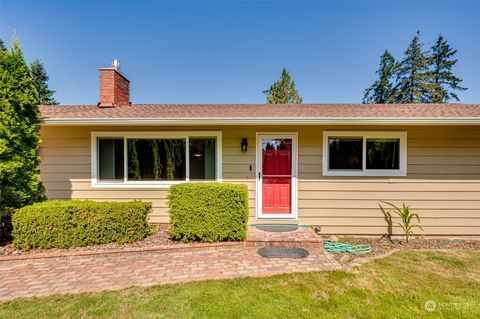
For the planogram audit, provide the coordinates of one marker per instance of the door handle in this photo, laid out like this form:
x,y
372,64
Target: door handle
x,y
259,176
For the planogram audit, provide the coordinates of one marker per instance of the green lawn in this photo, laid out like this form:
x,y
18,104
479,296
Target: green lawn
x,y
394,287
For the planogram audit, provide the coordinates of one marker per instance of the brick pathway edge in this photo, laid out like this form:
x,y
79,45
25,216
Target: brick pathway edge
x,y
67,253
93,273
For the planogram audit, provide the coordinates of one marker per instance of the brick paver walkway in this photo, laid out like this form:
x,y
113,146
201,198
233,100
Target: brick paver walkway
x,y
301,237
45,276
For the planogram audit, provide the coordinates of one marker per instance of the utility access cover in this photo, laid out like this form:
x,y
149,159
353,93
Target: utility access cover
x,y
283,252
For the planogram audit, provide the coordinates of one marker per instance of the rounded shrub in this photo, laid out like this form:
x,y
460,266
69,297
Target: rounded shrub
x,y
208,212
65,224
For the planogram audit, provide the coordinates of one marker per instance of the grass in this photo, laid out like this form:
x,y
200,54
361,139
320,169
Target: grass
x,y
394,287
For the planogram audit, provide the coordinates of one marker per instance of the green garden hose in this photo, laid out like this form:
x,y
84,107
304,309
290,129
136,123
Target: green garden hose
x,y
335,247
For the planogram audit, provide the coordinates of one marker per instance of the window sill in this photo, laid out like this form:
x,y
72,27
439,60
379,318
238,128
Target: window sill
x,y
379,173
142,185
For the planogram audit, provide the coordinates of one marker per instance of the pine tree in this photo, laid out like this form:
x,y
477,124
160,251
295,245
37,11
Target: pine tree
x,y
283,91
19,137
441,63
382,90
40,80
413,80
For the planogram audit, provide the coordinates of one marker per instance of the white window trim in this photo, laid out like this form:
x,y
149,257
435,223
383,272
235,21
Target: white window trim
x,y
96,183
402,171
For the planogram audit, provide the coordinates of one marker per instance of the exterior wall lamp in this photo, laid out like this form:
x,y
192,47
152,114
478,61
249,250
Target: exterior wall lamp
x,y
244,144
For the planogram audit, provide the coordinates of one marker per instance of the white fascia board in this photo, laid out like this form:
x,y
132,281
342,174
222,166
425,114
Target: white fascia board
x,y
262,121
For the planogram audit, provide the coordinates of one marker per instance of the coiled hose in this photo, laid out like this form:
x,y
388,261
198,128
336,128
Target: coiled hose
x,y
335,247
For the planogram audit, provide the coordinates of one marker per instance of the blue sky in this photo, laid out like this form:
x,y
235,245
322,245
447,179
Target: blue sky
x,y
229,51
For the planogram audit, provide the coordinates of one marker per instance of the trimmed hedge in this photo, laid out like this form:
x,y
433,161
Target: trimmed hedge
x,y
65,224
208,212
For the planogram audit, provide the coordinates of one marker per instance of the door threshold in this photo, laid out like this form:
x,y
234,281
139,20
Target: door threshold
x,y
274,222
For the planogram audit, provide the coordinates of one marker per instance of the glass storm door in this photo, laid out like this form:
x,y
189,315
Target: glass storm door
x,y
276,177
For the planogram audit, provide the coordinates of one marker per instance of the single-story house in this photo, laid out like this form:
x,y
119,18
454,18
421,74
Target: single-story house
x,y
316,164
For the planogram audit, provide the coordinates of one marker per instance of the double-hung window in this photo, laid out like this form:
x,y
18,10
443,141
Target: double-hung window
x,y
364,153
156,159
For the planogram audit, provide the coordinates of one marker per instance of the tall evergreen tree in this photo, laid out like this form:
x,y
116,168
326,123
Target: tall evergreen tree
x,y
444,82
40,80
413,79
19,137
283,91
382,90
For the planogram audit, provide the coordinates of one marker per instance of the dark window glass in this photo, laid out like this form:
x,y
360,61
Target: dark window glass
x,y
156,159
110,152
383,153
345,153
202,158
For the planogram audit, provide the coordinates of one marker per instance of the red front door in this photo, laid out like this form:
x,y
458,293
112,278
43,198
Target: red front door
x,y
276,176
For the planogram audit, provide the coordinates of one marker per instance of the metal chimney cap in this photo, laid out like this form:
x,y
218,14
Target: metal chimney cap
x,y
116,64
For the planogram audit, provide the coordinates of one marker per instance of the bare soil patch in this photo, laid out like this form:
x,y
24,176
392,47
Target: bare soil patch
x,y
382,245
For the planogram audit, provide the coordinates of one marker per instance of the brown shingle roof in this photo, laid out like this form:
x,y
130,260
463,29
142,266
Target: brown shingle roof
x,y
264,111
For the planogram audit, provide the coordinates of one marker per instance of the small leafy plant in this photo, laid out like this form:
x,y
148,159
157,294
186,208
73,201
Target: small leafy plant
x,y
406,215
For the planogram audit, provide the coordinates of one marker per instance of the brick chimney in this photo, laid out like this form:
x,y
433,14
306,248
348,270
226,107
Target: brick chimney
x,y
114,87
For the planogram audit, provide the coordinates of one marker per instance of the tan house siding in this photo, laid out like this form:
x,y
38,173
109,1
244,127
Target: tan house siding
x,y
443,181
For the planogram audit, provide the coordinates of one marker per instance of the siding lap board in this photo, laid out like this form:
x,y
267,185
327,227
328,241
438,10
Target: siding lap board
x,y
443,181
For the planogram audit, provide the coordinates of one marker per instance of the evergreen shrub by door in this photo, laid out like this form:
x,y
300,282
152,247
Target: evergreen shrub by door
x,y
65,224
208,212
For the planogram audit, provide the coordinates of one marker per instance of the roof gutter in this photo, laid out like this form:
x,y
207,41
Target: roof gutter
x,y
259,121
